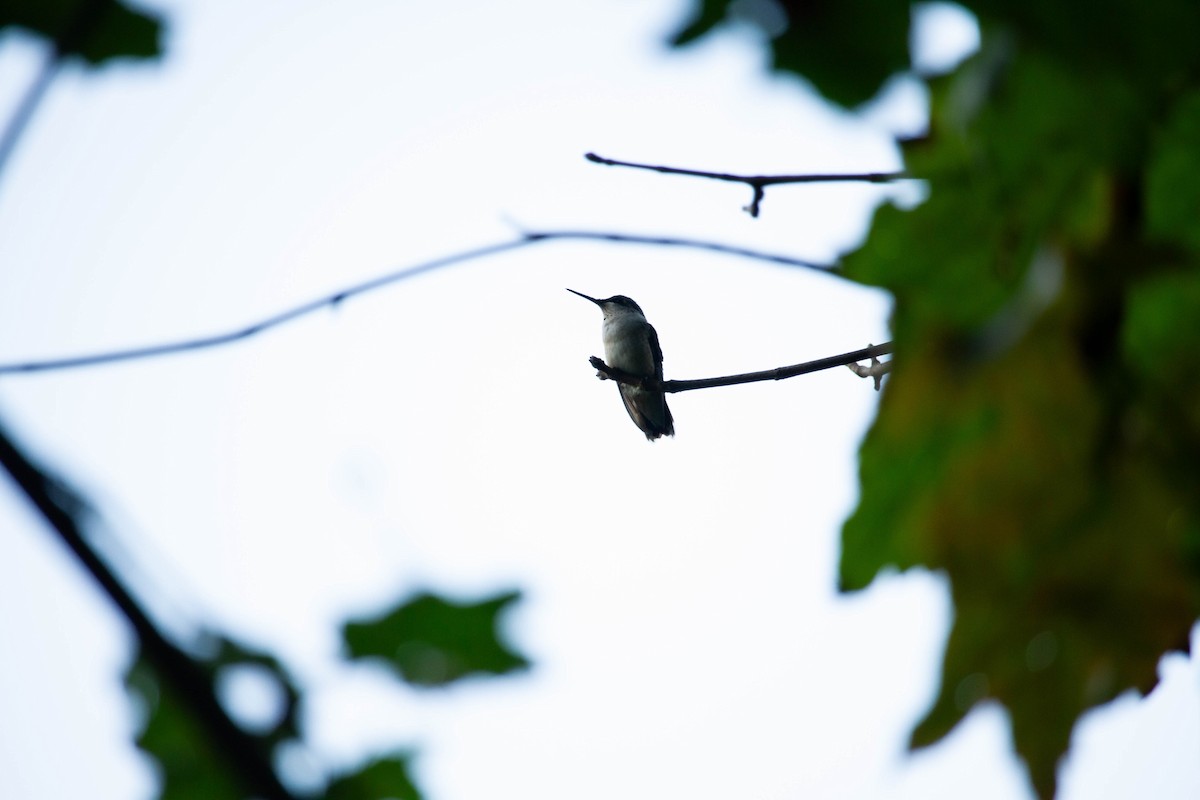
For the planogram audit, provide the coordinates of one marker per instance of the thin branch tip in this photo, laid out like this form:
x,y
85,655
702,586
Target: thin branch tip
x,y
605,372
757,182
876,370
337,298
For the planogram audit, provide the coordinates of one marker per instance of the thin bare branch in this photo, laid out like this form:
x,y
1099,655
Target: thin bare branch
x,y
756,182
612,373
525,239
695,244
23,112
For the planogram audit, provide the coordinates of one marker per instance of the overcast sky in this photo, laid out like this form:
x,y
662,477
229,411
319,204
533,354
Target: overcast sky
x,y
448,433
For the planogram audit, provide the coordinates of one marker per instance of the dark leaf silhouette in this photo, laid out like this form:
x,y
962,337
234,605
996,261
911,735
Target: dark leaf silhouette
x,y
95,30
191,765
431,641
847,48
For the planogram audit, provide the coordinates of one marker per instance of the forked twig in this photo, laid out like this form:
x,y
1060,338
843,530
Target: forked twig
x,y
756,182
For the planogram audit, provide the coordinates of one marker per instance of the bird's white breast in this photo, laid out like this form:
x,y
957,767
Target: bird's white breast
x,y
627,345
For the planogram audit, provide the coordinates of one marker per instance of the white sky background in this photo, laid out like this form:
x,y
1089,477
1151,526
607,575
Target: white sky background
x,y
448,432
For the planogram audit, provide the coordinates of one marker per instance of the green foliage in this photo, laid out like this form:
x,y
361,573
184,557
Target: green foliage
x,y
183,754
95,30
381,779
1039,440
192,763
427,640
709,15
431,641
1173,193
847,48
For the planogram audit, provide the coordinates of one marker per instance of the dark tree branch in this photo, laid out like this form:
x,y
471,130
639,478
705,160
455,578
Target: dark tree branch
x,y
756,182
64,510
526,239
606,372
86,17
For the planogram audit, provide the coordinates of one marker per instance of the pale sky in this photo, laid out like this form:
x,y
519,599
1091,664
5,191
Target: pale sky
x,y
448,433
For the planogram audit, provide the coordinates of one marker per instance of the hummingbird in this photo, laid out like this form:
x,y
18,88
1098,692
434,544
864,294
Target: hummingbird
x,y
631,345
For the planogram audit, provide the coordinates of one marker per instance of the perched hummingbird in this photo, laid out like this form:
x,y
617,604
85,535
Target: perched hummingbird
x,y
631,345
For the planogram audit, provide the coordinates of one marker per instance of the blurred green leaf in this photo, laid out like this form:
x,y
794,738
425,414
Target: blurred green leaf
x,y
230,655
191,765
1161,313
847,48
1039,440
708,15
1173,178
382,779
431,641
95,30
1152,42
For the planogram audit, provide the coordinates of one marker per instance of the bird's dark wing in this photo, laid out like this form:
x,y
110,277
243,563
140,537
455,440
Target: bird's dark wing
x,y
655,352
648,409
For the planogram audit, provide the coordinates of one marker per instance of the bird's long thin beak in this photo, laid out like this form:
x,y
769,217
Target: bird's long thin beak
x,y
584,296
